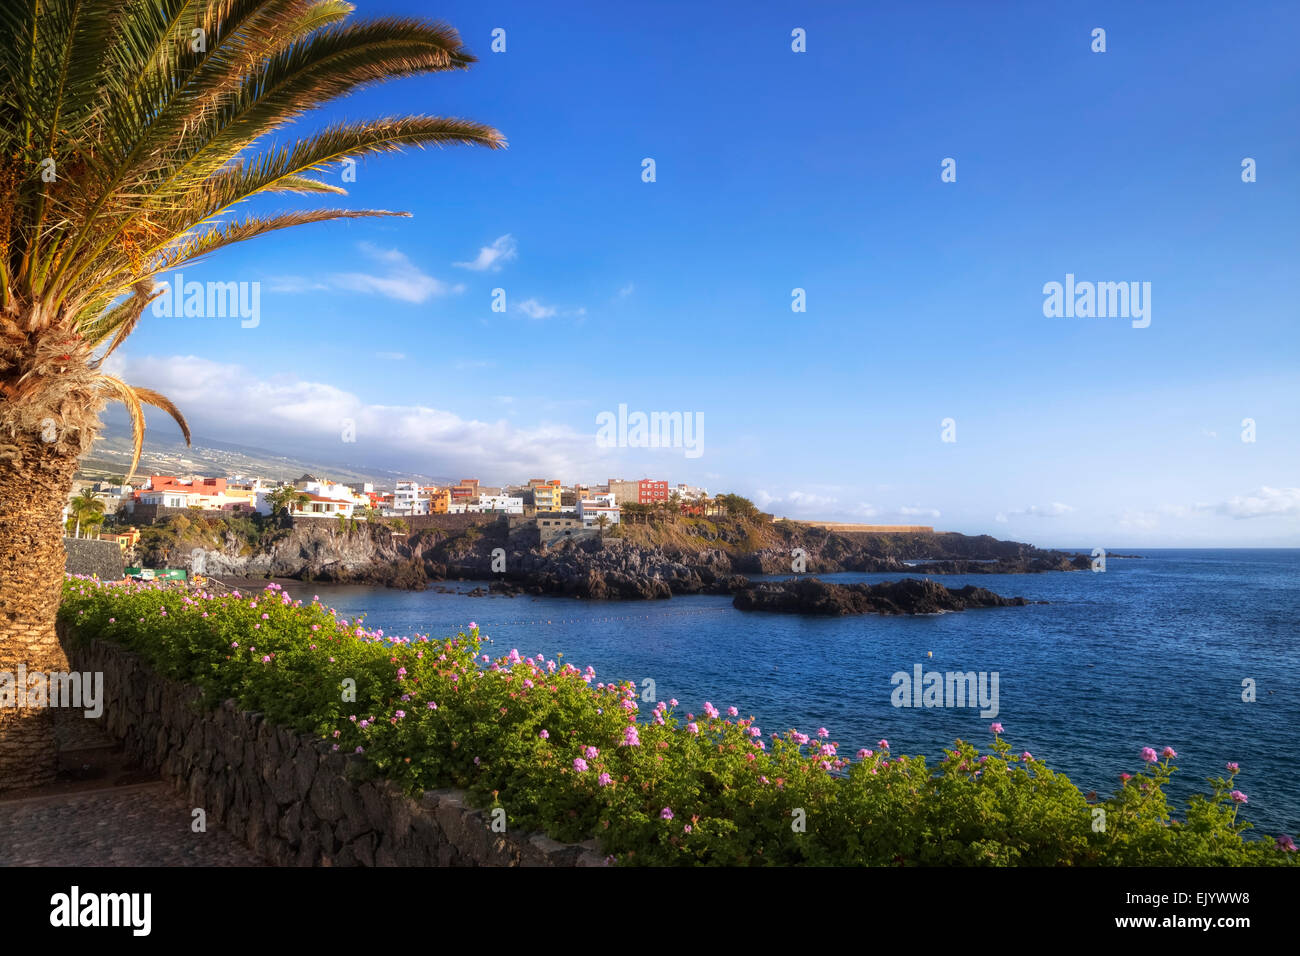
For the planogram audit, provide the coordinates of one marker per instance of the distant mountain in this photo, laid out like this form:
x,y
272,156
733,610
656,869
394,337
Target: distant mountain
x,y
111,455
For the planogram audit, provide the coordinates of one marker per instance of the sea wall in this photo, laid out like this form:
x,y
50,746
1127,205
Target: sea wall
x,y
91,556
288,796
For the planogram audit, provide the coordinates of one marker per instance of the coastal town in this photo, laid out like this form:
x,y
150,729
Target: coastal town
x,y
147,499
113,510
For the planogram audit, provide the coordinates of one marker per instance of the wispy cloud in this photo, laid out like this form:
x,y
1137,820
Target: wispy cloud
x,y
294,284
627,290
228,402
401,279
391,356
535,310
919,512
503,249
1054,510
1264,503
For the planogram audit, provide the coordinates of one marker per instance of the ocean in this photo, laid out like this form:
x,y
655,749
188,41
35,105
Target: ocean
x,y
1157,651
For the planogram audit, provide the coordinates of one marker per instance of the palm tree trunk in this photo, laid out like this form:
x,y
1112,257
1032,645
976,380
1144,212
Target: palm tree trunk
x,y
35,480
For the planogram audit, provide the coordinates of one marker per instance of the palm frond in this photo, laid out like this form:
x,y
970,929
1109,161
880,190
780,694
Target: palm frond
x,y
134,398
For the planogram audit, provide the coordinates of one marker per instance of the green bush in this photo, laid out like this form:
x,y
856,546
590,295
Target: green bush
x,y
562,753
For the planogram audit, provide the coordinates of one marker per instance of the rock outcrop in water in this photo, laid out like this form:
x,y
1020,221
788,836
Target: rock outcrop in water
x,y
908,596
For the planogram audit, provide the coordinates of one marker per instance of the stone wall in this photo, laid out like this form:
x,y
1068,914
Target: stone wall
x,y
91,556
287,795
453,522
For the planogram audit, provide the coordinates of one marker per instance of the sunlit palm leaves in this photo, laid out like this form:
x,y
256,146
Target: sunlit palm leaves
x,y
128,127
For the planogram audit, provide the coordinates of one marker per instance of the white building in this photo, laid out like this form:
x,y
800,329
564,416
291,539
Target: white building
x,y
591,509
498,504
690,492
316,506
167,499
408,499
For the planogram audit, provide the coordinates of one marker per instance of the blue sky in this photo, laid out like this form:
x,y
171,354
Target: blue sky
x,y
819,170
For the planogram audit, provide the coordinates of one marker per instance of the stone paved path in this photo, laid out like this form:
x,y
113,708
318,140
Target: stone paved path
x,y
141,825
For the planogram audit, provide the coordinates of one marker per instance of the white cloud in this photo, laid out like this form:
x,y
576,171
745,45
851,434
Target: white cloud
x,y
627,290
226,402
1054,510
795,502
1264,503
401,279
294,284
919,512
535,310
503,249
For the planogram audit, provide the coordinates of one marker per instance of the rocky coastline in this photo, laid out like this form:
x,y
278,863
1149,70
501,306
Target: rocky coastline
x,y
717,557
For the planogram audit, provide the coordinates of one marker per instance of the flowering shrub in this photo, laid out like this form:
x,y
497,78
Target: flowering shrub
x,y
564,753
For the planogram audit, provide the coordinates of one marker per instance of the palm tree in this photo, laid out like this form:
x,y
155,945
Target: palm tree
x,y
85,508
129,131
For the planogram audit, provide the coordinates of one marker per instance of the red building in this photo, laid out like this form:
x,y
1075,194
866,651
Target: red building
x,y
648,492
467,490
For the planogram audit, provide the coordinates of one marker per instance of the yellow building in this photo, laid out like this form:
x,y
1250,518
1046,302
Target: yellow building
x,y
546,494
127,540
439,500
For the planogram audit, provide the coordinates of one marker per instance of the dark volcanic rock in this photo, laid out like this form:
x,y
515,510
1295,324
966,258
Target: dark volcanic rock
x,y
908,596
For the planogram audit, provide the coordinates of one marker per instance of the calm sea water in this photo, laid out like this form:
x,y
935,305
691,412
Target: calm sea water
x,y
1151,653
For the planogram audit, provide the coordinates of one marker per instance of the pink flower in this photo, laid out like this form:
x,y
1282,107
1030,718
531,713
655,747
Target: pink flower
x,y
731,711
823,733
863,754
710,711
545,735
1026,756
1149,755
266,659
590,752
630,737
579,764
692,728
266,617
1168,752
666,814
1234,767
673,702
1284,842
687,829
883,744
996,728
603,780
1238,796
